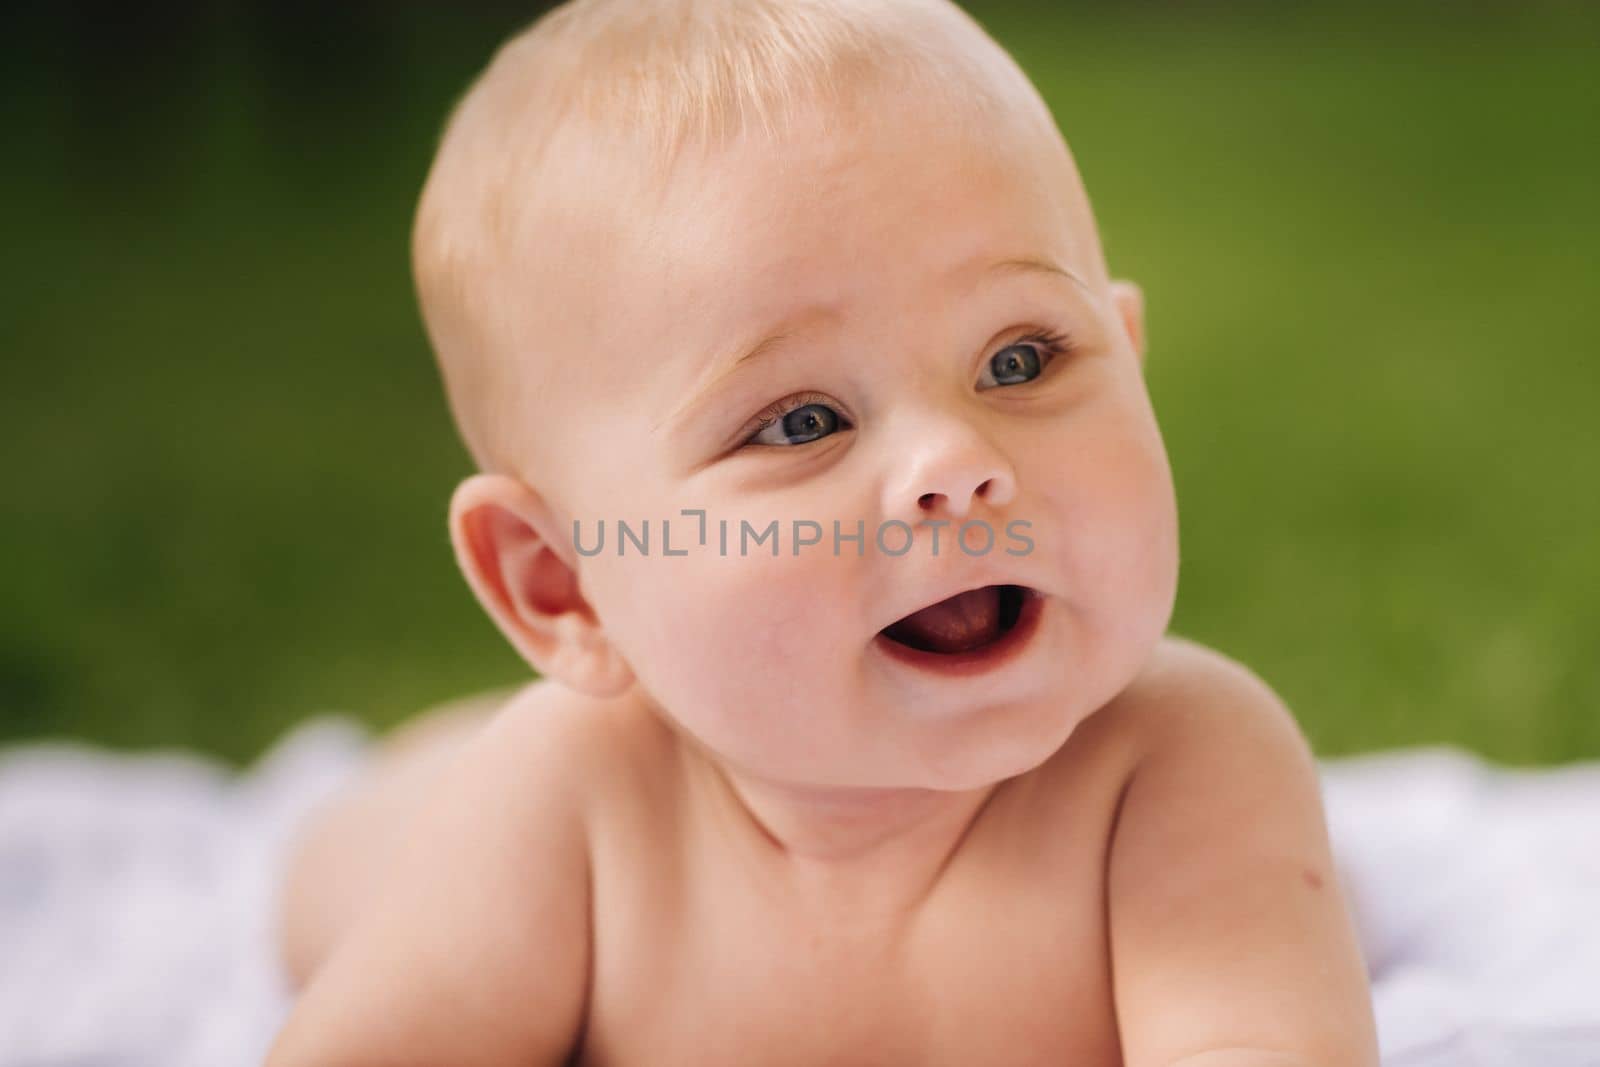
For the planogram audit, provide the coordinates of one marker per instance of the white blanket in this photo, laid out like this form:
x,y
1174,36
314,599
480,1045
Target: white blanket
x,y
137,927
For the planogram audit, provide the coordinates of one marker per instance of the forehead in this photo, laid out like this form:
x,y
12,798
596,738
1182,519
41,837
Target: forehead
x,y
650,288
867,208
633,291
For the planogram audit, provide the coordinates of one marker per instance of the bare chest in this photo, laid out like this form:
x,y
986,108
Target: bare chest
x,y
1005,962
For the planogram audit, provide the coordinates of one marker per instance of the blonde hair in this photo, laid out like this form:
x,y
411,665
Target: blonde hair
x,y
648,79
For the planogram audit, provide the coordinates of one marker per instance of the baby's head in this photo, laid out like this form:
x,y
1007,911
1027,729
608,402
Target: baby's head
x,y
756,277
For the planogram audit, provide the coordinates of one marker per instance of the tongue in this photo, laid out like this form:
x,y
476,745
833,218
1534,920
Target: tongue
x,y
957,624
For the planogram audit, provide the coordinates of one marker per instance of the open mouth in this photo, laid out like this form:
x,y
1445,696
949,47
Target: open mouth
x,y
972,630
962,622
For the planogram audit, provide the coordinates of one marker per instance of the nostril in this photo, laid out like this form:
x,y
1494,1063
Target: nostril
x,y
926,499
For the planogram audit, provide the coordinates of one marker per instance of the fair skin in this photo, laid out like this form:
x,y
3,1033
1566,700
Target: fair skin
x,y
728,827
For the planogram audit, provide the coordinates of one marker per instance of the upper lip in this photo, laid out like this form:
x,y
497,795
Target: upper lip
x,y
928,600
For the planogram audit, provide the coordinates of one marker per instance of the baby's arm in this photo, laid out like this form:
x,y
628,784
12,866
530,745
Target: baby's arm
x,y
475,951
1231,945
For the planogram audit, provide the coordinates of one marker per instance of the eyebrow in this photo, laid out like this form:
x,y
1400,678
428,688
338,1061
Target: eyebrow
x,y
806,318
1036,265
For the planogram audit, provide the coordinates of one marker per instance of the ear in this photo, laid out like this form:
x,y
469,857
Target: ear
x,y
1129,301
511,554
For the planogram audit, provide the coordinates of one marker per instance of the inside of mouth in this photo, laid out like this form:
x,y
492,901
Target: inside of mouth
x,y
960,623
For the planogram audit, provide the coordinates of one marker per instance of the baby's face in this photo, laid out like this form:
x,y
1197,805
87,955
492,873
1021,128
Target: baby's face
x,y
950,350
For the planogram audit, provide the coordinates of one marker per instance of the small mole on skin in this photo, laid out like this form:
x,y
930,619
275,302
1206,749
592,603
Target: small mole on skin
x,y
1313,879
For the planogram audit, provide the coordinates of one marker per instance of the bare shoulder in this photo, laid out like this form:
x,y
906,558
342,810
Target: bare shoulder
x,y
580,734
578,744
1183,690
493,871
1227,924
1188,691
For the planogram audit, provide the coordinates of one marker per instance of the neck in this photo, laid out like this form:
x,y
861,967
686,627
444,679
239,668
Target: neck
x,y
868,848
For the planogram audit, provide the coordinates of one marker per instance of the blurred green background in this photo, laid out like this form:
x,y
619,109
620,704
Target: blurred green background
x,y
1367,238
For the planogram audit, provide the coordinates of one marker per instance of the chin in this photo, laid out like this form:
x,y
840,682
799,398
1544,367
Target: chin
x,y
997,744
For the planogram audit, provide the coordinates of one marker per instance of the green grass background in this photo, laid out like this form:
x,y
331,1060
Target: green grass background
x,y
1367,238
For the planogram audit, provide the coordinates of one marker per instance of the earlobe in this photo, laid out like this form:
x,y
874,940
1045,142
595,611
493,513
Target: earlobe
x,y
508,550
1129,301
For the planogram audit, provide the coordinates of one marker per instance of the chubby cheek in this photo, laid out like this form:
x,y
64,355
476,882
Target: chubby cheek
x,y
745,653
1118,533
1145,553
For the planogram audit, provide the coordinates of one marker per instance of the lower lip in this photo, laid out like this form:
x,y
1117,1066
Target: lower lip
x,y
991,657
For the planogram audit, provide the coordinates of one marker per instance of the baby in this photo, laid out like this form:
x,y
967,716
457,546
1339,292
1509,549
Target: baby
x,y
819,483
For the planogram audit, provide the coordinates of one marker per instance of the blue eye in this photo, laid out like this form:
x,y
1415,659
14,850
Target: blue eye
x,y
1023,360
807,421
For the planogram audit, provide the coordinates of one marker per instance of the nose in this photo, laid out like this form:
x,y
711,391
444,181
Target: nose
x,y
948,468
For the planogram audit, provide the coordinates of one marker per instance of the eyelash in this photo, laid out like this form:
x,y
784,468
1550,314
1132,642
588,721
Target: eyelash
x,y
775,411
1050,345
